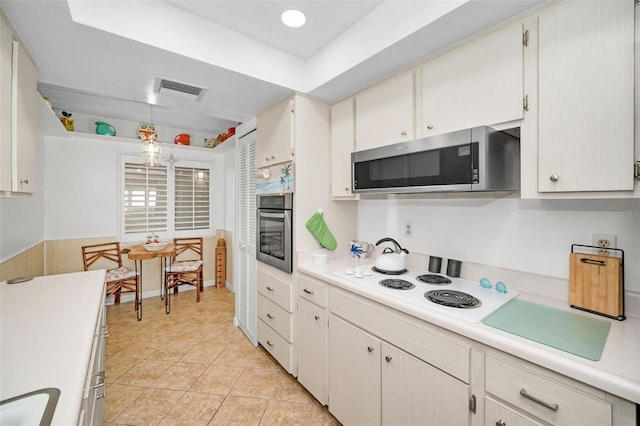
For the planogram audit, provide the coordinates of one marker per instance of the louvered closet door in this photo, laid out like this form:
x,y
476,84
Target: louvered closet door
x,y
246,289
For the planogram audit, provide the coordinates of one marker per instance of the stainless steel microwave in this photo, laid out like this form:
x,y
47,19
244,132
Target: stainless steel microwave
x,y
476,159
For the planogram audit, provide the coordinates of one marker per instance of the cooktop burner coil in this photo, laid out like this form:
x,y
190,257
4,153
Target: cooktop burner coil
x,y
453,298
397,284
433,279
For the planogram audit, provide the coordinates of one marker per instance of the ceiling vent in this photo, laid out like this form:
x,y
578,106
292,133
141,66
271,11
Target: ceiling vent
x,y
178,89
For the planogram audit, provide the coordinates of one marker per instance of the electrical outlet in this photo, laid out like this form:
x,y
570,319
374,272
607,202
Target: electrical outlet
x,y
408,229
604,242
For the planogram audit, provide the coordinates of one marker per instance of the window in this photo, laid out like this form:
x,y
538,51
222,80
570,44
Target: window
x,y
165,201
191,198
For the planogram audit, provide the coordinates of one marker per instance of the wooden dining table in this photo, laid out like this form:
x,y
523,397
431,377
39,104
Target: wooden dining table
x,y
139,253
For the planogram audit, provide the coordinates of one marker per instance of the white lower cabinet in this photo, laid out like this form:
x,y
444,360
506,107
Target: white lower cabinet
x,y
416,393
354,374
275,315
378,368
531,391
312,347
92,408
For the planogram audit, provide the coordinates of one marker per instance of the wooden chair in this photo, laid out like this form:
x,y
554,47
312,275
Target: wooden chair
x,y
119,279
185,268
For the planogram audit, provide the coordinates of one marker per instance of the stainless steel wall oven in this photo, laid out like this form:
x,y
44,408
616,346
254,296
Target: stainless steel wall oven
x,y
274,230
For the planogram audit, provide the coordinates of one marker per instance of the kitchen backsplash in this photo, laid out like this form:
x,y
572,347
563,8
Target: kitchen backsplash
x,y
532,236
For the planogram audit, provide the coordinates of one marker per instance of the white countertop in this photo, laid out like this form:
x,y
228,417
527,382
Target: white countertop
x,y
46,333
617,372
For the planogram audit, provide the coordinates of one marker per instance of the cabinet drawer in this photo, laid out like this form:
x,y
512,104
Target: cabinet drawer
x,y
275,345
276,290
498,414
557,403
313,290
429,343
275,317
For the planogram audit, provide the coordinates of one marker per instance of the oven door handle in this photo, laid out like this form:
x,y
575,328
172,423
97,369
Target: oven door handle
x,y
272,215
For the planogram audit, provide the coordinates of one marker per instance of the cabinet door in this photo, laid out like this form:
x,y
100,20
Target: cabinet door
x,y
312,349
274,134
385,113
416,393
480,83
354,374
586,89
6,49
24,121
342,145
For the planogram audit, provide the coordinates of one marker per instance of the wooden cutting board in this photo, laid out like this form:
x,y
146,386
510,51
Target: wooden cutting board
x,y
595,283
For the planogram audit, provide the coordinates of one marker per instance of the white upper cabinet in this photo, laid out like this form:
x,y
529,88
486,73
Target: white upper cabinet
x,y
586,97
18,114
385,113
274,138
480,83
342,145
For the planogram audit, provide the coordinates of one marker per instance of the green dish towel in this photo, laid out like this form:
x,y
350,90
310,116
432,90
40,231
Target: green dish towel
x,y
319,229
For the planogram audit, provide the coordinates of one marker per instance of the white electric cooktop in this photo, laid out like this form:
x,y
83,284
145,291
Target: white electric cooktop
x,y
450,290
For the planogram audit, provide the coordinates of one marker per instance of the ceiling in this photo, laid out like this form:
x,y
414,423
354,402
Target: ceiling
x,y
102,57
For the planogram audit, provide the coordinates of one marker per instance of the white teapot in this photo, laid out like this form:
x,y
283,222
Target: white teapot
x,y
391,260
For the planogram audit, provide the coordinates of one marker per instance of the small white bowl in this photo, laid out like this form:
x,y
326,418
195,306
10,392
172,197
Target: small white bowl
x,y
154,246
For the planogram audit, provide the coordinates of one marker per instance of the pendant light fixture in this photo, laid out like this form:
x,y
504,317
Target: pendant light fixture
x,y
151,151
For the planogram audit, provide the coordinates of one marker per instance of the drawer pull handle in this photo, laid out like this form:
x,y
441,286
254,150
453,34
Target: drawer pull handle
x,y
317,317
269,288
501,423
553,407
269,316
269,343
307,291
593,261
388,358
370,348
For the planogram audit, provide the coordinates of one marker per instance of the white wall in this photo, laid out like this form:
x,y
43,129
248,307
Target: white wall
x,y
527,235
21,219
82,184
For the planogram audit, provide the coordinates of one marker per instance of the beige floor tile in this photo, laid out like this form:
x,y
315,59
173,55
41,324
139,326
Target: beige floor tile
x,y
256,383
118,398
239,411
150,407
145,374
180,376
286,413
118,365
235,356
193,409
151,363
289,389
217,379
203,353
320,416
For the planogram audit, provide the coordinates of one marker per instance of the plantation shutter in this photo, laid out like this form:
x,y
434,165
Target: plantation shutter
x,y
192,205
145,198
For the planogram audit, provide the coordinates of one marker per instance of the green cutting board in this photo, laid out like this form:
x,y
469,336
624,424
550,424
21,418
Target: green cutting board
x,y
571,332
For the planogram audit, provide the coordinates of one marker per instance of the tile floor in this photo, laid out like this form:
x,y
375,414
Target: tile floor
x,y
193,367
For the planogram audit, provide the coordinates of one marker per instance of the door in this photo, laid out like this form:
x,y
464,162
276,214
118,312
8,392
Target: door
x,y
354,374
246,287
312,332
416,393
586,97
480,83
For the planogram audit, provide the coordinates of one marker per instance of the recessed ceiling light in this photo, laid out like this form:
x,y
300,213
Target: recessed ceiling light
x,y
293,18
